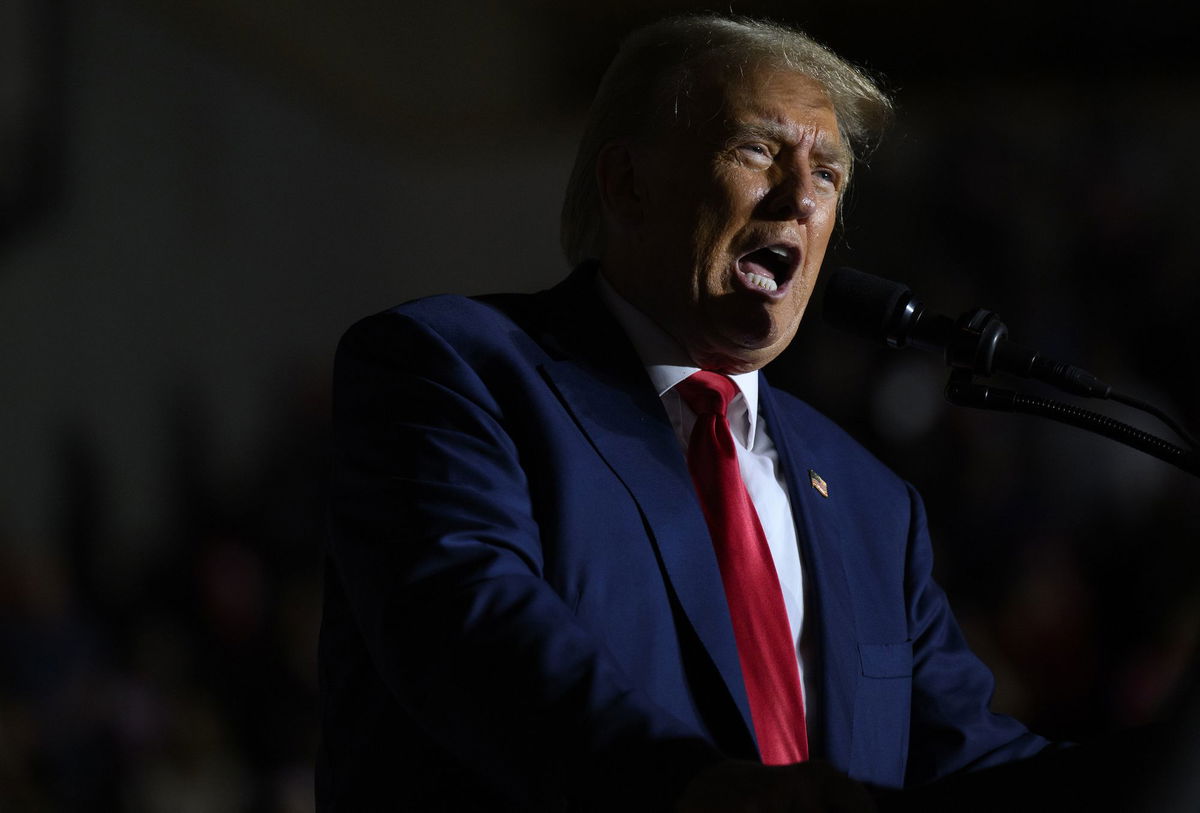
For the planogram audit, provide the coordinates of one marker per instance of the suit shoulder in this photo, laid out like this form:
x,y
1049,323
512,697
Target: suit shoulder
x,y
458,321
828,440
822,429
446,314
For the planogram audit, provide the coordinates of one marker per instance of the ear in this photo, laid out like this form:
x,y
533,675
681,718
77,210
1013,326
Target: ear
x,y
621,197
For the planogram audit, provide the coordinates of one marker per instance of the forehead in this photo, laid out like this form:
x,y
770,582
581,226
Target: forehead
x,y
761,95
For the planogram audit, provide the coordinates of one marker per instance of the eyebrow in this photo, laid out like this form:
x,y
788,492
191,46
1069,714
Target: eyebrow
x,y
823,148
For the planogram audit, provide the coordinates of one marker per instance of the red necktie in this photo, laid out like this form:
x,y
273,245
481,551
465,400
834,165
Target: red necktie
x,y
760,623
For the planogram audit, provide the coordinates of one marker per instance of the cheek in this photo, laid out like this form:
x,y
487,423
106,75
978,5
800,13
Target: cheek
x,y
824,224
817,244
708,237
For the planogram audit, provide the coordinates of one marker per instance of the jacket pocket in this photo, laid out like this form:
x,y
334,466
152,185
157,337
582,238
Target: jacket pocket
x,y
882,709
886,660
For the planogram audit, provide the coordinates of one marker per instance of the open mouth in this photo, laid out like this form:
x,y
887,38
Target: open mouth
x,y
769,268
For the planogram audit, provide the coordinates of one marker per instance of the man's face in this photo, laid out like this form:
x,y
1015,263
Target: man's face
x,y
734,215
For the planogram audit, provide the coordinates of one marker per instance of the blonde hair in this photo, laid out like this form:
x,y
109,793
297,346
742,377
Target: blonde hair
x,y
657,70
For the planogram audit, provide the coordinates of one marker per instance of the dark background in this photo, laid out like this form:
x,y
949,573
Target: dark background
x,y
198,196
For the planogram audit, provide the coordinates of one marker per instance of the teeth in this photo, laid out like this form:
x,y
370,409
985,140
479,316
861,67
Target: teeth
x,y
766,283
778,251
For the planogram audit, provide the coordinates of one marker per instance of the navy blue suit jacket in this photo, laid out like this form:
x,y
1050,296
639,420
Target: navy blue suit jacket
x,y
523,608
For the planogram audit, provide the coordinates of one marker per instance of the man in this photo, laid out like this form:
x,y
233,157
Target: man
x,y
535,599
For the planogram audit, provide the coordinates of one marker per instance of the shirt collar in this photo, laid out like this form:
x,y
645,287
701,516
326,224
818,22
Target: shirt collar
x,y
667,363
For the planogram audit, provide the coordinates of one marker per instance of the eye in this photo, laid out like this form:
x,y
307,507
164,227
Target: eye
x,y
827,177
757,152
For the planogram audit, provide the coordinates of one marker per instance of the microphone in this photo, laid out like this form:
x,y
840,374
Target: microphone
x,y
886,311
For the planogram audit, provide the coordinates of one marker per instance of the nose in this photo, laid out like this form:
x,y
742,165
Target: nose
x,y
791,196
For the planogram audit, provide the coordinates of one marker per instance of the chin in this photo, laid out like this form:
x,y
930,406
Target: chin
x,y
754,351
732,359
745,342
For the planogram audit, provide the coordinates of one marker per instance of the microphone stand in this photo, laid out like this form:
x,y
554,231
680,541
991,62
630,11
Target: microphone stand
x,y
963,390
977,345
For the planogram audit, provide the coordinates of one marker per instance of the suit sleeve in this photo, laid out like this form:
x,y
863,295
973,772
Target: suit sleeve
x,y
436,546
953,728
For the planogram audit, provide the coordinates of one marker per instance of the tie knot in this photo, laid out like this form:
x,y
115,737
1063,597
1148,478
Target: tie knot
x,y
707,393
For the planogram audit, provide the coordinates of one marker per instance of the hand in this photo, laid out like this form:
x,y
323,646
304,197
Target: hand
x,y
735,786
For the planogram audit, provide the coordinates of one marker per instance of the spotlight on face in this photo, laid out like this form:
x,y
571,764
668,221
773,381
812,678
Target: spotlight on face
x,y
726,221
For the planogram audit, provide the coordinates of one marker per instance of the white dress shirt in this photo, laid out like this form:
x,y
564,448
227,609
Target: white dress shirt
x,y
667,364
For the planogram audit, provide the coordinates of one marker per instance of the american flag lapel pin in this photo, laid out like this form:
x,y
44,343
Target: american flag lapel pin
x,y
818,483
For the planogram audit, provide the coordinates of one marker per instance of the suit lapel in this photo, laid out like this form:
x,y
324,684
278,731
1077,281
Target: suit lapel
x,y
829,602
600,380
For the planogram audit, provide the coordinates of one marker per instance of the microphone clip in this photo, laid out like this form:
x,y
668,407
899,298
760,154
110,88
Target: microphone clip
x,y
975,340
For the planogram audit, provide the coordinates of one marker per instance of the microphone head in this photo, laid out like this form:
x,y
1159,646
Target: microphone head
x,y
866,305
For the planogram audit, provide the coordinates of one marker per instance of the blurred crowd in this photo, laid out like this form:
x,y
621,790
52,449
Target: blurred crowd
x,y
185,680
